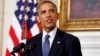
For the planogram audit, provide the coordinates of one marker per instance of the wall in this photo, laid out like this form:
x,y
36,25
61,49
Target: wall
x,y
7,20
90,42
1,20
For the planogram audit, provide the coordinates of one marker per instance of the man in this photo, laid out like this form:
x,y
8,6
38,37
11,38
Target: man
x,y
60,43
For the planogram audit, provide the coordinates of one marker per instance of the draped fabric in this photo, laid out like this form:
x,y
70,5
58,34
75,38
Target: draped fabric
x,y
24,24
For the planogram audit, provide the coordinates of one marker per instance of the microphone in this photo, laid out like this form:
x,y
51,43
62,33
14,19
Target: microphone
x,y
29,47
21,46
18,48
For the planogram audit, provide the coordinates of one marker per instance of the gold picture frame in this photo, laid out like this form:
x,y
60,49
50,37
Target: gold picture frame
x,y
68,22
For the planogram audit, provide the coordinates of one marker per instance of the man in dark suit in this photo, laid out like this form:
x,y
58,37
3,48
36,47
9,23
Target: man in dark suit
x,y
60,43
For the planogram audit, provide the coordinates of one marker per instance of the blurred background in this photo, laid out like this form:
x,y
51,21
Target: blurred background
x,y
90,40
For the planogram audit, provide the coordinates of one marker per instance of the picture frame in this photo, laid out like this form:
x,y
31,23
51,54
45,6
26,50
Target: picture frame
x,y
72,19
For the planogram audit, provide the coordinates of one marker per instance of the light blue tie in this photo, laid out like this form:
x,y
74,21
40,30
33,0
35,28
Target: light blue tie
x,y
46,46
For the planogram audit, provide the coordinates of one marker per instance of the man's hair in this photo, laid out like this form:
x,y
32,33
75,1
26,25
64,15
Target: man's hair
x,y
43,2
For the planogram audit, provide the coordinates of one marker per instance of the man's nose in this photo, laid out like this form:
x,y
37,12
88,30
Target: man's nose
x,y
48,14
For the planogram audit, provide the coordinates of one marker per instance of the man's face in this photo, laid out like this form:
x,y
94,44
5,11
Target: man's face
x,y
47,15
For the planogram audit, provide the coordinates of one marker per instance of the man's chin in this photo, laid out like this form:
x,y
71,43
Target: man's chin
x,y
51,27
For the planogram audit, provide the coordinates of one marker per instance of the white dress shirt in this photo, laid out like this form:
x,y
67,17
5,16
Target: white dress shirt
x,y
52,36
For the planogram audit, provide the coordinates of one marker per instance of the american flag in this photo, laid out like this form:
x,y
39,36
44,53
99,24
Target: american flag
x,y
24,24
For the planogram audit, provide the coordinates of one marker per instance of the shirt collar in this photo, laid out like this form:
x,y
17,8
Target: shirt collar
x,y
52,33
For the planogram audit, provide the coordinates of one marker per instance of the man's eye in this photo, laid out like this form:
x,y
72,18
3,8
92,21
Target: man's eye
x,y
43,12
52,10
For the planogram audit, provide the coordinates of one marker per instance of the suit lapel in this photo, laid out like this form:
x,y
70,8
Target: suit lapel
x,y
56,43
39,45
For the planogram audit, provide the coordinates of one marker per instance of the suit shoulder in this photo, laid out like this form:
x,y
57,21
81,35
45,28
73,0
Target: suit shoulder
x,y
69,38
34,39
65,33
68,35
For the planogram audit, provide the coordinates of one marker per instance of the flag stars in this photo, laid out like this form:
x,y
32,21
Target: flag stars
x,y
33,18
28,9
26,12
34,9
35,1
23,0
22,8
29,1
20,17
26,17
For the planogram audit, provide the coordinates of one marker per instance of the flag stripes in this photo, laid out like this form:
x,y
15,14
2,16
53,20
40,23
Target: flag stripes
x,y
24,24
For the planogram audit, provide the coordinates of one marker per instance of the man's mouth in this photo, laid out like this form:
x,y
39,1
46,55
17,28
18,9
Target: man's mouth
x,y
49,20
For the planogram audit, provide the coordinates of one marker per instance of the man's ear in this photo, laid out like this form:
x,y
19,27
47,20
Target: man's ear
x,y
38,19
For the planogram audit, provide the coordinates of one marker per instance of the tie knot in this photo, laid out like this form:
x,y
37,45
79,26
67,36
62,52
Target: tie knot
x,y
47,37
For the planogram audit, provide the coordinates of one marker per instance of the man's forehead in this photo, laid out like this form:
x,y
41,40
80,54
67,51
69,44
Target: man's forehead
x,y
47,6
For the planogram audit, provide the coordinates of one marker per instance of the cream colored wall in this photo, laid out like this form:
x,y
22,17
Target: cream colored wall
x,y
1,26
90,42
8,16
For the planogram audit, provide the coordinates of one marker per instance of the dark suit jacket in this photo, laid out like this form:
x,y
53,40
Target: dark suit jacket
x,y
64,44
